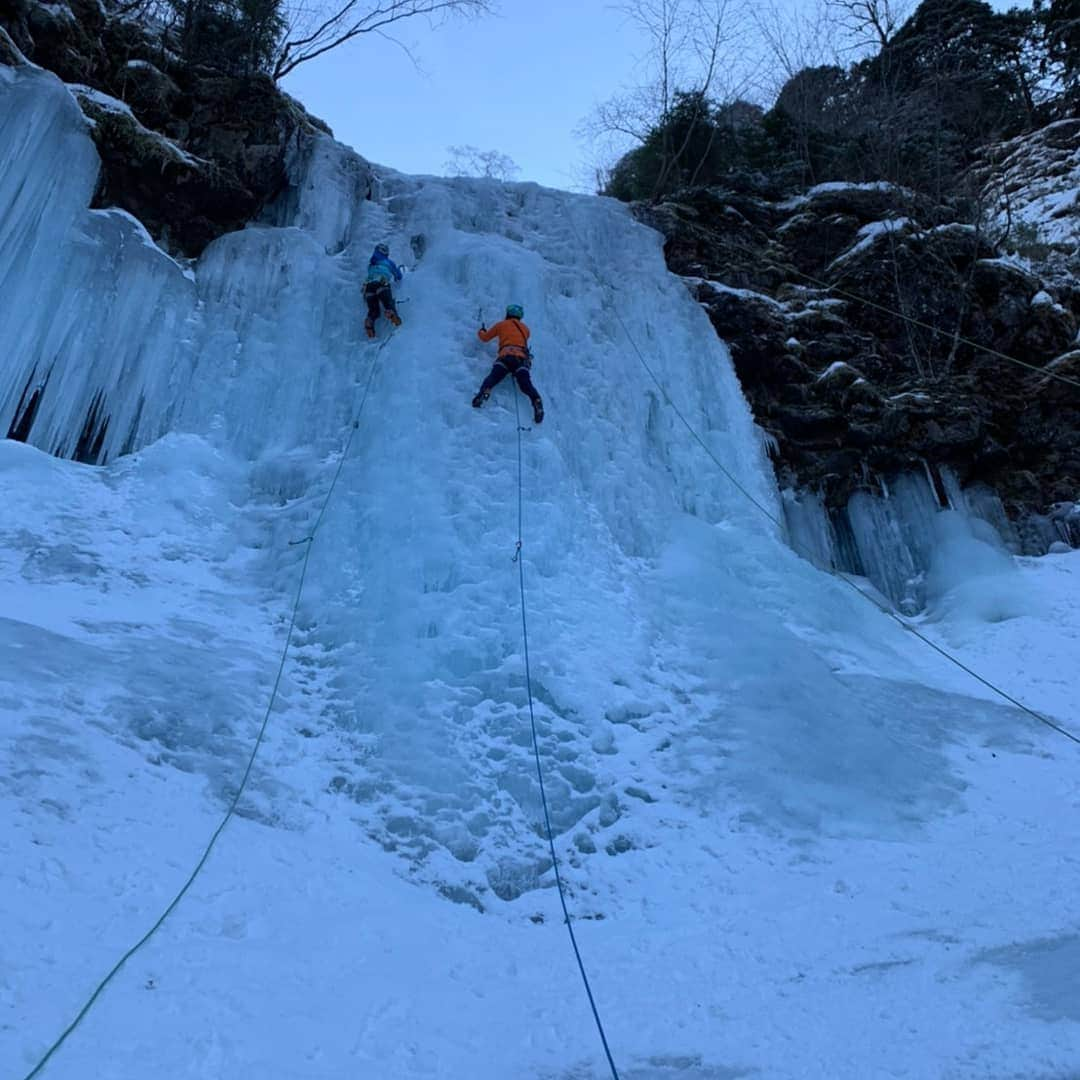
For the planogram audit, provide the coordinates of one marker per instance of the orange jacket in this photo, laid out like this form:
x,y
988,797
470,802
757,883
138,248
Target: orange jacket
x,y
513,337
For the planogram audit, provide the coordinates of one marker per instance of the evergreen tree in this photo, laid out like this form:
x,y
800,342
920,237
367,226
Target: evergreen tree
x,y
810,120
1061,21
954,77
239,37
695,143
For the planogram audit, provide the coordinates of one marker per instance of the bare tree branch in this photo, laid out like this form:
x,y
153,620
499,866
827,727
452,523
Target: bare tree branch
x,y
795,39
490,164
800,42
355,17
711,29
870,23
664,25
688,42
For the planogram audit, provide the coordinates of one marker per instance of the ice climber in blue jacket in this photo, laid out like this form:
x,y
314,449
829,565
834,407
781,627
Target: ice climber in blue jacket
x,y
381,270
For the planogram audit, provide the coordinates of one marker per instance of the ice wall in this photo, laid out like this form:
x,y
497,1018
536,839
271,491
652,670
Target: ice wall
x,y
410,630
671,628
906,535
260,341
108,343
95,316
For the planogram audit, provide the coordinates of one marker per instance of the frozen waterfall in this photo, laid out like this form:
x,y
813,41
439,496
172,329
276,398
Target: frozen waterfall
x,y
761,789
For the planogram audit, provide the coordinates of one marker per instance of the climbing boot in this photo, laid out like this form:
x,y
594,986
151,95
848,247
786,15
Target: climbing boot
x,y
394,317
480,399
538,411
369,328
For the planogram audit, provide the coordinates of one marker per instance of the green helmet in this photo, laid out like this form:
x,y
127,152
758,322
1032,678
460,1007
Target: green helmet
x,y
515,311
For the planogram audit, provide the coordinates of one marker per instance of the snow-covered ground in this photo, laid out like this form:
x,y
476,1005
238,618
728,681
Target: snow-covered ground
x,y
797,844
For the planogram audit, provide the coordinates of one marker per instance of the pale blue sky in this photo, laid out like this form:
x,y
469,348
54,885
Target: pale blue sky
x,y
519,82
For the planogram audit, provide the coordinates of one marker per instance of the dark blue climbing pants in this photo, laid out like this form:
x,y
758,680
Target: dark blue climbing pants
x,y
517,366
376,293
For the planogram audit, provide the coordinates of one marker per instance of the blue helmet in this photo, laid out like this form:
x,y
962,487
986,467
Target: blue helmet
x,y
382,249
515,311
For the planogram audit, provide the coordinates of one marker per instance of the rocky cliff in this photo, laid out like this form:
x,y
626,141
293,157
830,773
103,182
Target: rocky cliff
x,y
190,151
864,322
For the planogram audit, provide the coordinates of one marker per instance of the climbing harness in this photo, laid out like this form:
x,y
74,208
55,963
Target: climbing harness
x,y
308,541
536,745
522,351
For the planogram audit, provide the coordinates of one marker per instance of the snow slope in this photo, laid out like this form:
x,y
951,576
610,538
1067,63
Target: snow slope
x,y
796,844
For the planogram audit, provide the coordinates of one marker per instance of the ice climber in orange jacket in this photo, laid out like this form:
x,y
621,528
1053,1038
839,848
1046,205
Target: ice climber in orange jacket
x,y
514,359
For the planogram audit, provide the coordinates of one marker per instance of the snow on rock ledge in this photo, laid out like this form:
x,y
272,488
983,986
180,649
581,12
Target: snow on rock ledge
x,y
1034,181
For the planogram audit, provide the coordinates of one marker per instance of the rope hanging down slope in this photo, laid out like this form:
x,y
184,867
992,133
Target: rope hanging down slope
x,y
845,578
308,541
536,746
989,350
1004,695
885,309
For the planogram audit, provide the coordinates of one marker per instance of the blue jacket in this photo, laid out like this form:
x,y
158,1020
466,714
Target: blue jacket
x,y
381,268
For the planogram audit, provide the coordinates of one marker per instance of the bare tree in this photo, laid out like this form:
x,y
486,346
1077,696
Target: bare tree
x,y
870,23
470,161
629,116
802,69
691,47
325,28
707,30
794,39
665,25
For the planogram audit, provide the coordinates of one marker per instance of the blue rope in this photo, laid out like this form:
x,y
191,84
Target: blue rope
x,y
174,903
536,752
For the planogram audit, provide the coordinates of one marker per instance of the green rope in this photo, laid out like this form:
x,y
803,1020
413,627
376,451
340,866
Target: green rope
x,y
309,542
839,574
845,578
886,310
